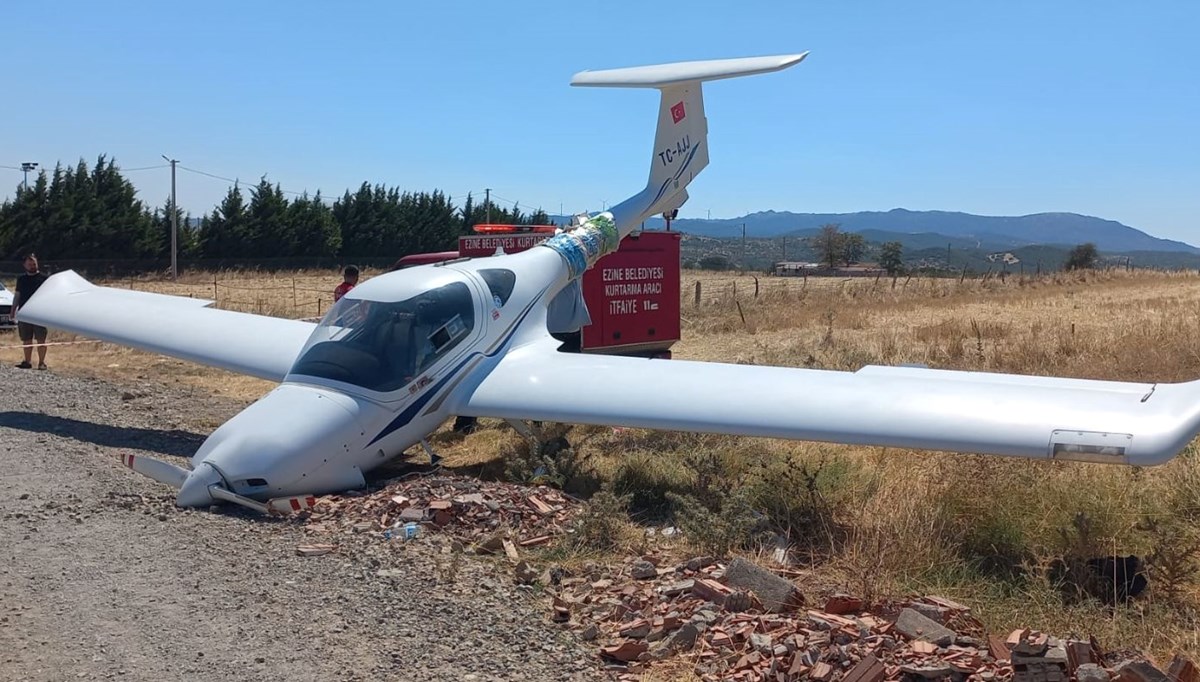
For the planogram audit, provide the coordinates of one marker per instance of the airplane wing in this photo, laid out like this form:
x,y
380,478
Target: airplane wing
x,y
1001,414
184,328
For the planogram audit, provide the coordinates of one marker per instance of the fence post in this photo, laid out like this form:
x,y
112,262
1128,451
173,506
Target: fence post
x,y
318,306
295,304
697,299
755,287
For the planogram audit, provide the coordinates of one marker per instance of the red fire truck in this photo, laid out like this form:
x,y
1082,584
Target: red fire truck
x,y
632,295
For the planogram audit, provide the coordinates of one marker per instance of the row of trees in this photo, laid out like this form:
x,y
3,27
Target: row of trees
x,y
95,213
834,246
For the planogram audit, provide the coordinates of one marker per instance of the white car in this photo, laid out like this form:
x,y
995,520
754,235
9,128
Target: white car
x,y
6,301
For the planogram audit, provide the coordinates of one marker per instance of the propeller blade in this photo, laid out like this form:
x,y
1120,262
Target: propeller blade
x,y
291,505
157,469
220,493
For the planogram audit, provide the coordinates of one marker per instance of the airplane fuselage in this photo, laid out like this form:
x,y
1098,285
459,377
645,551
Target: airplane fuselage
x,y
357,397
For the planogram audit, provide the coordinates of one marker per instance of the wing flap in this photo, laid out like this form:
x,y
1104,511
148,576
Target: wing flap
x,y
1035,417
180,327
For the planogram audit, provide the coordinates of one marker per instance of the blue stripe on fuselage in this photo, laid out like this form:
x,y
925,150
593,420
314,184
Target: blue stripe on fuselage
x,y
662,190
411,411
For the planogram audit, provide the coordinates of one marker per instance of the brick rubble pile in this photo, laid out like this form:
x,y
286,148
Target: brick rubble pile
x,y
474,511
729,621
742,622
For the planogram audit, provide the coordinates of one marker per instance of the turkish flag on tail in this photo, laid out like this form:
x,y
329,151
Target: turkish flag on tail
x,y
677,113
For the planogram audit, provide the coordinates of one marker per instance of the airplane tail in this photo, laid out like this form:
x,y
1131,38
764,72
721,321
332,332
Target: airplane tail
x,y
680,149
681,141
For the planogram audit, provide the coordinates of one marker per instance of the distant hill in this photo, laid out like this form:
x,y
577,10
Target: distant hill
x,y
927,229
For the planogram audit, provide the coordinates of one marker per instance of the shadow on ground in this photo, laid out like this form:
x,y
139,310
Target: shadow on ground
x,y
167,442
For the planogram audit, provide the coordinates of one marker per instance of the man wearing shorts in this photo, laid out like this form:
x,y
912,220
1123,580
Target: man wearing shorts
x,y
27,284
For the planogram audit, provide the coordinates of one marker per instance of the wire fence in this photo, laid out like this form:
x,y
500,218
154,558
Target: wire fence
x,y
297,296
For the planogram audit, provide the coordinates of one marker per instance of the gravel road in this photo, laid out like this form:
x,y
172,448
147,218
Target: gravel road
x,y
101,577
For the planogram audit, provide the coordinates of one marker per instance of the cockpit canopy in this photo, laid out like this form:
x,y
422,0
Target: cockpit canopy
x,y
383,346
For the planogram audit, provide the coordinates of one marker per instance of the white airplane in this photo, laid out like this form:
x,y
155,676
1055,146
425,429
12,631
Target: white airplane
x,y
403,352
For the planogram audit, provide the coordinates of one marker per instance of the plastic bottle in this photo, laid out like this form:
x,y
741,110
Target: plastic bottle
x,y
408,531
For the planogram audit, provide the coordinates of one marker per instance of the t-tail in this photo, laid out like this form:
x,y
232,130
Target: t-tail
x,y
680,146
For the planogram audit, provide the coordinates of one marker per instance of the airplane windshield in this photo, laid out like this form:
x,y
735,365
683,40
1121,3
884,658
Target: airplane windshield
x,y
384,346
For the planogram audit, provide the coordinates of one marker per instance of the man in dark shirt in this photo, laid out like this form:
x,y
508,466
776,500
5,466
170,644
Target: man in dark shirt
x,y
28,284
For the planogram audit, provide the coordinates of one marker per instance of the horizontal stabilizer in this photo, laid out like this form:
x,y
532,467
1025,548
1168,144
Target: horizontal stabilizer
x,y
662,75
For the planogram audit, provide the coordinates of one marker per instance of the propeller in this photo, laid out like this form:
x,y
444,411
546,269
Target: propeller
x,y
158,470
205,482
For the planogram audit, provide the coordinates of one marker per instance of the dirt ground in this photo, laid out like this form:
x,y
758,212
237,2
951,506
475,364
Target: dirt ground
x,y
102,577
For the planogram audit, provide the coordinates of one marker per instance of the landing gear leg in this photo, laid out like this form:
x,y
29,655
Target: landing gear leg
x,y
533,432
434,457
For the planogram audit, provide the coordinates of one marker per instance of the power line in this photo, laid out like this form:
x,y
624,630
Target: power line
x,y
236,182
510,201
143,168
200,172
10,168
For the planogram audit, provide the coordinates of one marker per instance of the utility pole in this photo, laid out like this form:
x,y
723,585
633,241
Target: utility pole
x,y
174,223
487,200
25,168
785,247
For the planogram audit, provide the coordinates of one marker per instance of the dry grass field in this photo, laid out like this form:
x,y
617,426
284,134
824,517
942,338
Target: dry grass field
x,y
878,522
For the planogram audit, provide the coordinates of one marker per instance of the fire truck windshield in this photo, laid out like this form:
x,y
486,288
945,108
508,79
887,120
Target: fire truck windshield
x,y
383,346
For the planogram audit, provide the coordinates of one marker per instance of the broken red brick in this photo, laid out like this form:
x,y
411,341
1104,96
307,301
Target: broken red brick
x,y
1015,637
841,604
710,590
923,647
542,508
998,648
1182,669
625,651
539,540
869,669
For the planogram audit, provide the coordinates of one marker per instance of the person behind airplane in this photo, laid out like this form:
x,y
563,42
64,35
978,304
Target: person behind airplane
x,y
28,284
349,280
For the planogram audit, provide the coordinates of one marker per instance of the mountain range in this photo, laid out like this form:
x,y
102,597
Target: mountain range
x,y
930,229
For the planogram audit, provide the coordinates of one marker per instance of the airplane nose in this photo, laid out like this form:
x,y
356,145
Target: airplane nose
x,y
294,440
194,491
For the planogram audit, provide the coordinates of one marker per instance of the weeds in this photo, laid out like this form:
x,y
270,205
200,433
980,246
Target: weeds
x,y
605,525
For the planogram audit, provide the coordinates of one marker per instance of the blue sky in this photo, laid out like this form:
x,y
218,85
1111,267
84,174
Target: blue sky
x,y
994,108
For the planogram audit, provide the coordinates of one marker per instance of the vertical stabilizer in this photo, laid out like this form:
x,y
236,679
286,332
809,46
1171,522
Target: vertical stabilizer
x,y
681,141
